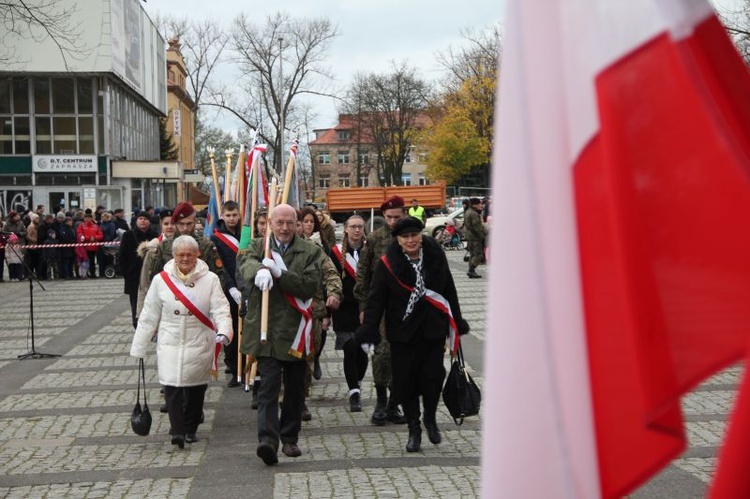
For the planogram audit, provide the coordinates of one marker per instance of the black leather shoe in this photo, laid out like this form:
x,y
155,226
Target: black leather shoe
x,y
415,440
192,438
163,409
317,371
179,441
291,450
267,453
233,382
355,403
306,414
379,416
393,414
433,432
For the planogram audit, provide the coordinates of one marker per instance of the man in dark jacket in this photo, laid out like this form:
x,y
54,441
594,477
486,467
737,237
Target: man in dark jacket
x,y
226,237
130,262
476,235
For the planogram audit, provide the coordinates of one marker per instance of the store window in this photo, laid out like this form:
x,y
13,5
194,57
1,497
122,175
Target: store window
x,y
4,96
6,135
22,134
20,96
85,96
43,135
63,95
41,96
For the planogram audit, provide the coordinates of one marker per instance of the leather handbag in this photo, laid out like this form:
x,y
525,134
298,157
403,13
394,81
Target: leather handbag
x,y
140,418
461,395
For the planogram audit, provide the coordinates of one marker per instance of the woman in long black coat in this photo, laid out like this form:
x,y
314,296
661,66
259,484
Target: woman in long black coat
x,y
413,267
130,262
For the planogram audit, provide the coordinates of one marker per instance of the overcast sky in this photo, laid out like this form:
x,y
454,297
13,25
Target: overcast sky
x,y
372,33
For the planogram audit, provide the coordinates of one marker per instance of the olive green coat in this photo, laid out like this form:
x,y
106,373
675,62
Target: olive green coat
x,y
301,279
208,254
376,245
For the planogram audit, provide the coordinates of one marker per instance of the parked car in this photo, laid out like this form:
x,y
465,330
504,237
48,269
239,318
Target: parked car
x,y
433,224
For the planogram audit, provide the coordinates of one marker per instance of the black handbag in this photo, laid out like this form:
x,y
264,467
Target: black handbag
x,y
140,418
461,395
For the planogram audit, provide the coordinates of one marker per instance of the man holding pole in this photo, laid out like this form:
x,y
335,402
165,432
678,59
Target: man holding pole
x,y
226,237
291,277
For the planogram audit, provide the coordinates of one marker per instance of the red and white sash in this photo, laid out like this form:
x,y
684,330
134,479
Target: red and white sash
x,y
228,239
350,262
438,301
303,343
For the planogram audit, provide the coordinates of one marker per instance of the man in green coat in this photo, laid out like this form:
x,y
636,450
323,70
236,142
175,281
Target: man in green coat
x,y
291,277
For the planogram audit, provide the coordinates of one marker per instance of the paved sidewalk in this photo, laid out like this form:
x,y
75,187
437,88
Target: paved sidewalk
x,y
64,422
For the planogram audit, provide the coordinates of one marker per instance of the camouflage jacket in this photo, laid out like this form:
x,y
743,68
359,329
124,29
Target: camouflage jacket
x,y
209,254
473,227
375,247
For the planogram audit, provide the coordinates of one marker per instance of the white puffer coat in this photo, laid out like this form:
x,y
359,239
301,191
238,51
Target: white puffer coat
x,y
185,347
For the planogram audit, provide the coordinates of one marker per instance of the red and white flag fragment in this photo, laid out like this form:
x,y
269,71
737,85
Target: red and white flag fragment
x,y
620,275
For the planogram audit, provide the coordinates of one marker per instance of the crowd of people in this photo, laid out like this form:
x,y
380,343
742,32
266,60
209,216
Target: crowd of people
x,y
290,284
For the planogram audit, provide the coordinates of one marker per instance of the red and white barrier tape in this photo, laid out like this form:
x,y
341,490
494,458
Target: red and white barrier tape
x,y
69,245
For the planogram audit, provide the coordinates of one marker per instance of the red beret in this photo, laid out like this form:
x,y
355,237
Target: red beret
x,y
182,210
392,202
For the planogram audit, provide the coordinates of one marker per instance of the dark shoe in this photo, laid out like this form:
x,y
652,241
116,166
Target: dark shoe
x,y
415,439
227,371
393,414
472,273
179,441
379,415
233,382
317,372
355,404
192,438
433,432
306,414
163,409
291,450
267,453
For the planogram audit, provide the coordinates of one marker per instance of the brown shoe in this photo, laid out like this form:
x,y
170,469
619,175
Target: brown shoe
x,y
291,450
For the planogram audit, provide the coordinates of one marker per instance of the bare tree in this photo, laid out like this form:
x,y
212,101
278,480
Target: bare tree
x,y
477,57
737,24
301,47
387,110
38,20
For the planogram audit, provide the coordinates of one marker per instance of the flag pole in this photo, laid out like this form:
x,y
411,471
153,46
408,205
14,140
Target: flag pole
x,y
227,173
265,299
214,175
288,178
254,167
241,201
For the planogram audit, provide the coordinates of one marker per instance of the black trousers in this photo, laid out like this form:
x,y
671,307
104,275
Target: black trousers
x,y
355,364
184,405
230,351
271,429
418,370
133,307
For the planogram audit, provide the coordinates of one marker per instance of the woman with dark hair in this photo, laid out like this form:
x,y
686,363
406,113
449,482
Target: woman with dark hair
x,y
413,286
346,318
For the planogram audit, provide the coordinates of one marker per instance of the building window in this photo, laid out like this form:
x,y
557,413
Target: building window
x,y
63,95
364,181
364,159
5,96
407,158
324,182
344,181
422,180
423,157
324,158
406,179
344,134
343,157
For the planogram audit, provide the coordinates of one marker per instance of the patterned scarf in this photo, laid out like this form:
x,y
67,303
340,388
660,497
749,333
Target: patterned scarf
x,y
418,291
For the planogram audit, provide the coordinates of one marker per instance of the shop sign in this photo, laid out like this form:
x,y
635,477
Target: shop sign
x,y
63,163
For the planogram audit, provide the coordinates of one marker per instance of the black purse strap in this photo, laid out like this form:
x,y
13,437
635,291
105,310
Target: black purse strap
x,y
142,377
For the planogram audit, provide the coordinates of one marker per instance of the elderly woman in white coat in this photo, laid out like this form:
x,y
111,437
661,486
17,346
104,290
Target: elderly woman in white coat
x,y
187,308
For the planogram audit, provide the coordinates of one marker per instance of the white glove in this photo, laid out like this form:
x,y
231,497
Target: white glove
x,y
263,280
221,338
270,264
235,294
368,348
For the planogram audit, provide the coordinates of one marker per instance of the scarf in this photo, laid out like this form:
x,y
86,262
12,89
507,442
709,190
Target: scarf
x,y
418,291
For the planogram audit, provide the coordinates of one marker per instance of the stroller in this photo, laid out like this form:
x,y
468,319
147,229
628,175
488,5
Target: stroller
x,y
112,269
449,236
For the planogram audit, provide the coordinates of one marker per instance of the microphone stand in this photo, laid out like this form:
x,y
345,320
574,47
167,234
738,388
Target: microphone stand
x,y
31,354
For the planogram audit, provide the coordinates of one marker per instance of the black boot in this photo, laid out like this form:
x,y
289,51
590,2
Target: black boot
x,y
355,403
433,432
415,436
256,387
379,416
472,273
317,371
393,413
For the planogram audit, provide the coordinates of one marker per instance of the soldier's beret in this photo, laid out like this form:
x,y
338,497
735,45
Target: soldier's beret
x,y
166,214
407,225
475,200
182,210
392,202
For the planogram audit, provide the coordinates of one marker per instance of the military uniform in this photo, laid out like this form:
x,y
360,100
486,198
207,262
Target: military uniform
x,y
209,254
376,246
476,234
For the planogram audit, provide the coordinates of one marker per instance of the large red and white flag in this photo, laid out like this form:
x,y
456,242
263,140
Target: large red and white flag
x,y
621,256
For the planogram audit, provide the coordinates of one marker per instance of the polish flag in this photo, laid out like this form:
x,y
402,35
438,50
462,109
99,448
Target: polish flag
x,y
620,241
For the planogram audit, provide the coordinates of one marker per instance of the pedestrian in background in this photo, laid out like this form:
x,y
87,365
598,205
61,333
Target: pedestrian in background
x,y
67,254
417,211
51,255
476,236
